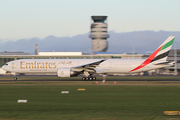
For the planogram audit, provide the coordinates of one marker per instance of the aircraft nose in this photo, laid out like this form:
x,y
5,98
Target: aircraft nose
x,y
3,67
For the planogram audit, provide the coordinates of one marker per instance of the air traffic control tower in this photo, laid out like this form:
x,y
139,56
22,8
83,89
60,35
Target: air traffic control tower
x,y
99,33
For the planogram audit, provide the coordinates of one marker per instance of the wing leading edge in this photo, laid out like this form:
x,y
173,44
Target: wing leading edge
x,y
90,67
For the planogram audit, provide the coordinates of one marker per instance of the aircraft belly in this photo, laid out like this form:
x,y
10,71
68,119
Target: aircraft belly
x,y
118,69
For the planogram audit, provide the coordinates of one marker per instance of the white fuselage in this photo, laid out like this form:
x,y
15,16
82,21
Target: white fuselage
x,y
51,65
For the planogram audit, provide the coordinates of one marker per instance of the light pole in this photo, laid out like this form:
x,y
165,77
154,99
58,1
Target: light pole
x,y
133,48
175,59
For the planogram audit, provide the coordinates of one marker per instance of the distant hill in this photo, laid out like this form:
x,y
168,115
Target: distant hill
x,y
118,42
144,40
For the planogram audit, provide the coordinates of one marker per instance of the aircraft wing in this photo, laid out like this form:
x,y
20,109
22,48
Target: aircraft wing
x,y
90,67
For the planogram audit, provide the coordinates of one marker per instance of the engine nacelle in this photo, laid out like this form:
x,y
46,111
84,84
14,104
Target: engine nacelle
x,y
66,72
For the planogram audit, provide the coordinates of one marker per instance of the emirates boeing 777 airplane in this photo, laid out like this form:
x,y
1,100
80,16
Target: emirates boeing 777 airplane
x,y
89,67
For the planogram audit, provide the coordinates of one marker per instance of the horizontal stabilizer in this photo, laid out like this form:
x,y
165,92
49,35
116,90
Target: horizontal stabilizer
x,y
161,62
166,63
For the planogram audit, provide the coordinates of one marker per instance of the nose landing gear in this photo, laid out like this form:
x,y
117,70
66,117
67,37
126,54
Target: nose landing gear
x,y
15,78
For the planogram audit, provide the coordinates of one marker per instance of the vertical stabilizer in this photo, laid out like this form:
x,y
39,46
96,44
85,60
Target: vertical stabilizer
x,y
160,54
164,49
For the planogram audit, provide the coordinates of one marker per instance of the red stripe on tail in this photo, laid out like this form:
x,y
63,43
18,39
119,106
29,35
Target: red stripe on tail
x,y
147,61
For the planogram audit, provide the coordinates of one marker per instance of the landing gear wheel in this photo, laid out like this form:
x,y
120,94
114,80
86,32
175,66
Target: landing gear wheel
x,y
94,78
90,78
15,78
87,78
83,78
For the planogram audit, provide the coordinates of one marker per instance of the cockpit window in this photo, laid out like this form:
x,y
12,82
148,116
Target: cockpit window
x,y
6,64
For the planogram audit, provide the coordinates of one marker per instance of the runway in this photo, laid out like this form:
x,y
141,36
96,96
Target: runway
x,y
108,78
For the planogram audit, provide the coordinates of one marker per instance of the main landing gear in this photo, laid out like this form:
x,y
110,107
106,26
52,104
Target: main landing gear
x,y
89,78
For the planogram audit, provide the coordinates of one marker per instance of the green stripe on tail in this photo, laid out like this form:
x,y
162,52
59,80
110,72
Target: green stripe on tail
x,y
167,44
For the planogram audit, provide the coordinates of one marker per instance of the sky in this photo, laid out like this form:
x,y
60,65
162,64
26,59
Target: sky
x,y
24,19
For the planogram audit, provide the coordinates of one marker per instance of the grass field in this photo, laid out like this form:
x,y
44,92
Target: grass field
x,y
143,100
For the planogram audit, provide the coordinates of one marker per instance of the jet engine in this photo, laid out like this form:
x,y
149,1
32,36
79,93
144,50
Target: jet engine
x,y
66,72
